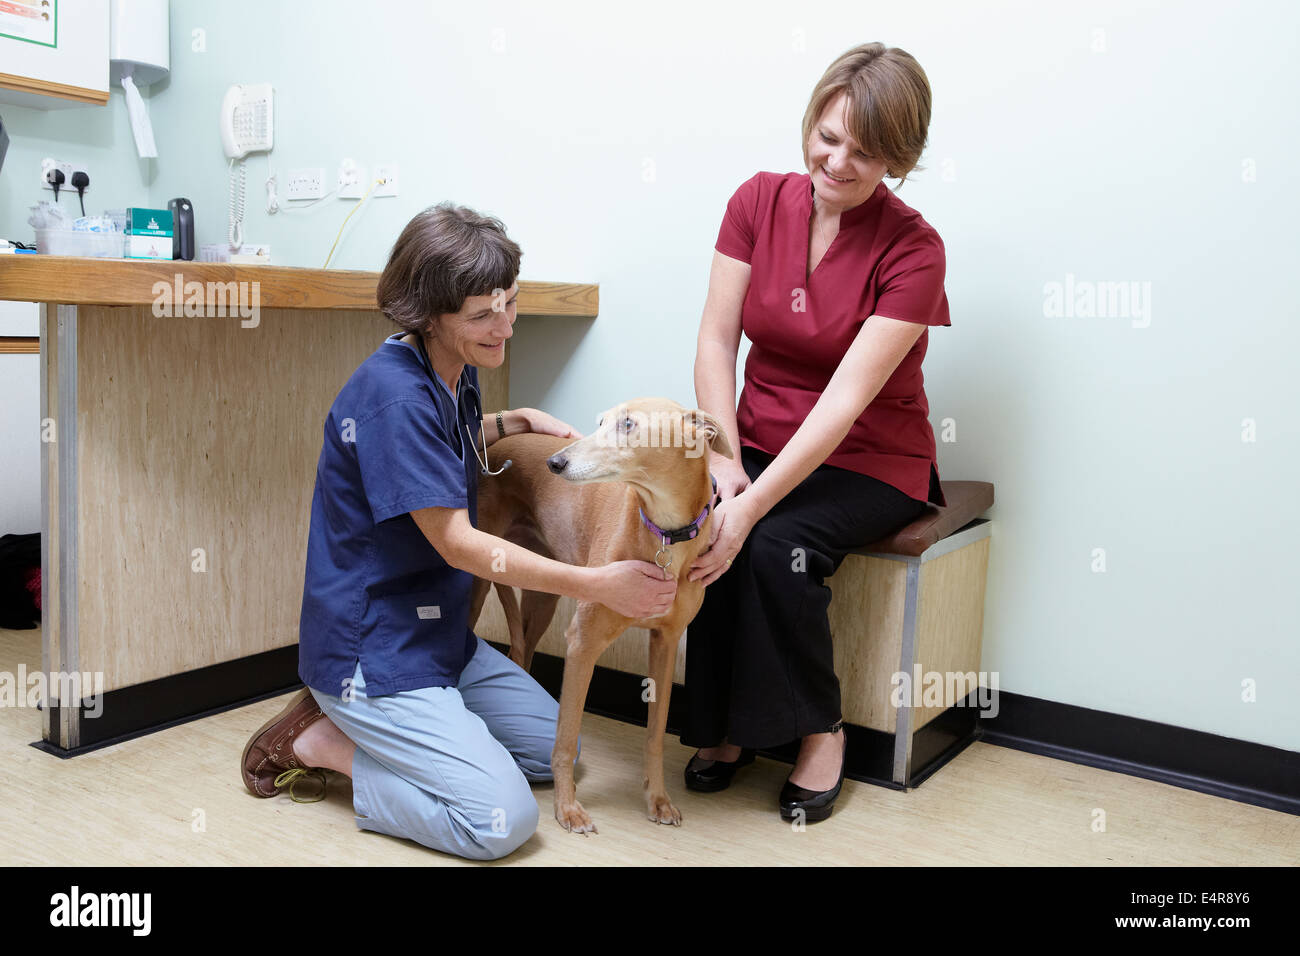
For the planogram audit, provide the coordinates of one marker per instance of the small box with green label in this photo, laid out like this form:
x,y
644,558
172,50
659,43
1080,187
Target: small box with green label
x,y
148,233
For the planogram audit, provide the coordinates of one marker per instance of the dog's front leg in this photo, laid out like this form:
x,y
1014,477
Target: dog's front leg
x,y
589,633
663,659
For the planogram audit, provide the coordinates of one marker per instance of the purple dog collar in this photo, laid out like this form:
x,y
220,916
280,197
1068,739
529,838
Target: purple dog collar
x,y
686,532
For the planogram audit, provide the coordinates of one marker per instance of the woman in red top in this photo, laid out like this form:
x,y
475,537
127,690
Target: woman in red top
x,y
835,281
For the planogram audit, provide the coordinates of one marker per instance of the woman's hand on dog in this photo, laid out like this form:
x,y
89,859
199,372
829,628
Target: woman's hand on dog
x,y
732,522
732,479
635,589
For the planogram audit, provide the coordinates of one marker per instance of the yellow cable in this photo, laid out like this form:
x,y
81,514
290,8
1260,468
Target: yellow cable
x,y
377,182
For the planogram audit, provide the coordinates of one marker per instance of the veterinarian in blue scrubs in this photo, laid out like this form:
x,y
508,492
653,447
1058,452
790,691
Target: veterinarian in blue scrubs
x,y
440,732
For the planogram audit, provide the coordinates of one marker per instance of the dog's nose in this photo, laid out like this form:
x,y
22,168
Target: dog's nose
x,y
557,463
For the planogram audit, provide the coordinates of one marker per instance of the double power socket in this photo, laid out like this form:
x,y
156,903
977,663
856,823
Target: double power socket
x,y
49,165
351,182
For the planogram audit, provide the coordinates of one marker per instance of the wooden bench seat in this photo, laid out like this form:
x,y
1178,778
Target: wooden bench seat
x,y
913,604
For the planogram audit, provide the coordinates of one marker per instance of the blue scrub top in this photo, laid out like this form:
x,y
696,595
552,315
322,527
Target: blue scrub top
x,y
376,590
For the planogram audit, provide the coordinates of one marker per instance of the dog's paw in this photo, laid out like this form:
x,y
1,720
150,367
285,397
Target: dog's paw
x,y
574,819
660,810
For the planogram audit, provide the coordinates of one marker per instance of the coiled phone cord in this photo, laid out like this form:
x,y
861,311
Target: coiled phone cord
x,y
237,189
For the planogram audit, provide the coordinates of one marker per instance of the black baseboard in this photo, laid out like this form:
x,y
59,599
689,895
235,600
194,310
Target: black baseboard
x,y
943,738
1192,759
1195,760
158,704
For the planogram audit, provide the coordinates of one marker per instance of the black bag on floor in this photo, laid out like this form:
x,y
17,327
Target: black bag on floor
x,y
20,555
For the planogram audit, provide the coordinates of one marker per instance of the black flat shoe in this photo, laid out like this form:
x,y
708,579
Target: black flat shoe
x,y
815,804
710,776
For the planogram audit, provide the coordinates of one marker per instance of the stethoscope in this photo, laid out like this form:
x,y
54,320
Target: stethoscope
x,y
477,408
478,417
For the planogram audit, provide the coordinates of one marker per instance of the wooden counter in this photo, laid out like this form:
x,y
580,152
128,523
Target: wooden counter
x,y
178,462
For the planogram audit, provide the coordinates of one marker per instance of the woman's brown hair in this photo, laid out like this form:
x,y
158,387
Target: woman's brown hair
x,y
446,254
888,105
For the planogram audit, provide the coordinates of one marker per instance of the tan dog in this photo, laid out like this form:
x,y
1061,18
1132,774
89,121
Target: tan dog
x,y
649,453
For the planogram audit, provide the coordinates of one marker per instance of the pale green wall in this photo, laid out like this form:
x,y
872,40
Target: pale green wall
x,y
98,136
1046,157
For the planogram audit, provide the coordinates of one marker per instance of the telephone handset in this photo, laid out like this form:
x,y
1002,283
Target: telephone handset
x,y
246,127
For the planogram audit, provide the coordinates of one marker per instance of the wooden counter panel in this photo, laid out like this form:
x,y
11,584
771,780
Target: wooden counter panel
x,y
196,433
74,280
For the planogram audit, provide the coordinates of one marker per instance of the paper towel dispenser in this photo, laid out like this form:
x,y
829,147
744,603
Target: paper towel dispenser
x,y
139,54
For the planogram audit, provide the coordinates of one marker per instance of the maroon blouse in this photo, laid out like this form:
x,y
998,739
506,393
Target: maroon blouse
x,y
886,260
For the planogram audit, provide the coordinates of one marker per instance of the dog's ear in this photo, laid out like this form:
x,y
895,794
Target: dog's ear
x,y
707,426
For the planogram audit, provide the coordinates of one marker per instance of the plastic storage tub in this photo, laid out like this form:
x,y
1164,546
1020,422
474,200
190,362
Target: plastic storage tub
x,y
69,242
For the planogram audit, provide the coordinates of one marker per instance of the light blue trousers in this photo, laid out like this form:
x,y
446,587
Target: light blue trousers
x,y
449,767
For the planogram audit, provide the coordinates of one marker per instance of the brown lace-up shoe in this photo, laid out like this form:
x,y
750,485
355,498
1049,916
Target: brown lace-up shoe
x,y
269,762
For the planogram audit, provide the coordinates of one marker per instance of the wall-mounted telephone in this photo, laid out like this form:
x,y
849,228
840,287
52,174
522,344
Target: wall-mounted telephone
x,y
246,127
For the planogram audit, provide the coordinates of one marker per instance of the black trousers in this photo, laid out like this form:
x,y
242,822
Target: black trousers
x,y
759,667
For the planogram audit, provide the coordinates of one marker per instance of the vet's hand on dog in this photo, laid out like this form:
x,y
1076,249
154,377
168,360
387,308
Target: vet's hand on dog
x,y
637,589
544,424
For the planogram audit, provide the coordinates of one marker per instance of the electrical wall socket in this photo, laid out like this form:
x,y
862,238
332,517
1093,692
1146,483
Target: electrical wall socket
x,y
68,169
352,180
388,173
306,183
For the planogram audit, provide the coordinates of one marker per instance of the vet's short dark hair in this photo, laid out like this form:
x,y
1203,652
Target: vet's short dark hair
x,y
445,254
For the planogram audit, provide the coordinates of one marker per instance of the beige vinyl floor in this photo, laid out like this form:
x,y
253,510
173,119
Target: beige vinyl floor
x,y
140,802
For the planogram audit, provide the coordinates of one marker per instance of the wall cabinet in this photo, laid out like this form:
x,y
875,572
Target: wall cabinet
x,y
54,53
